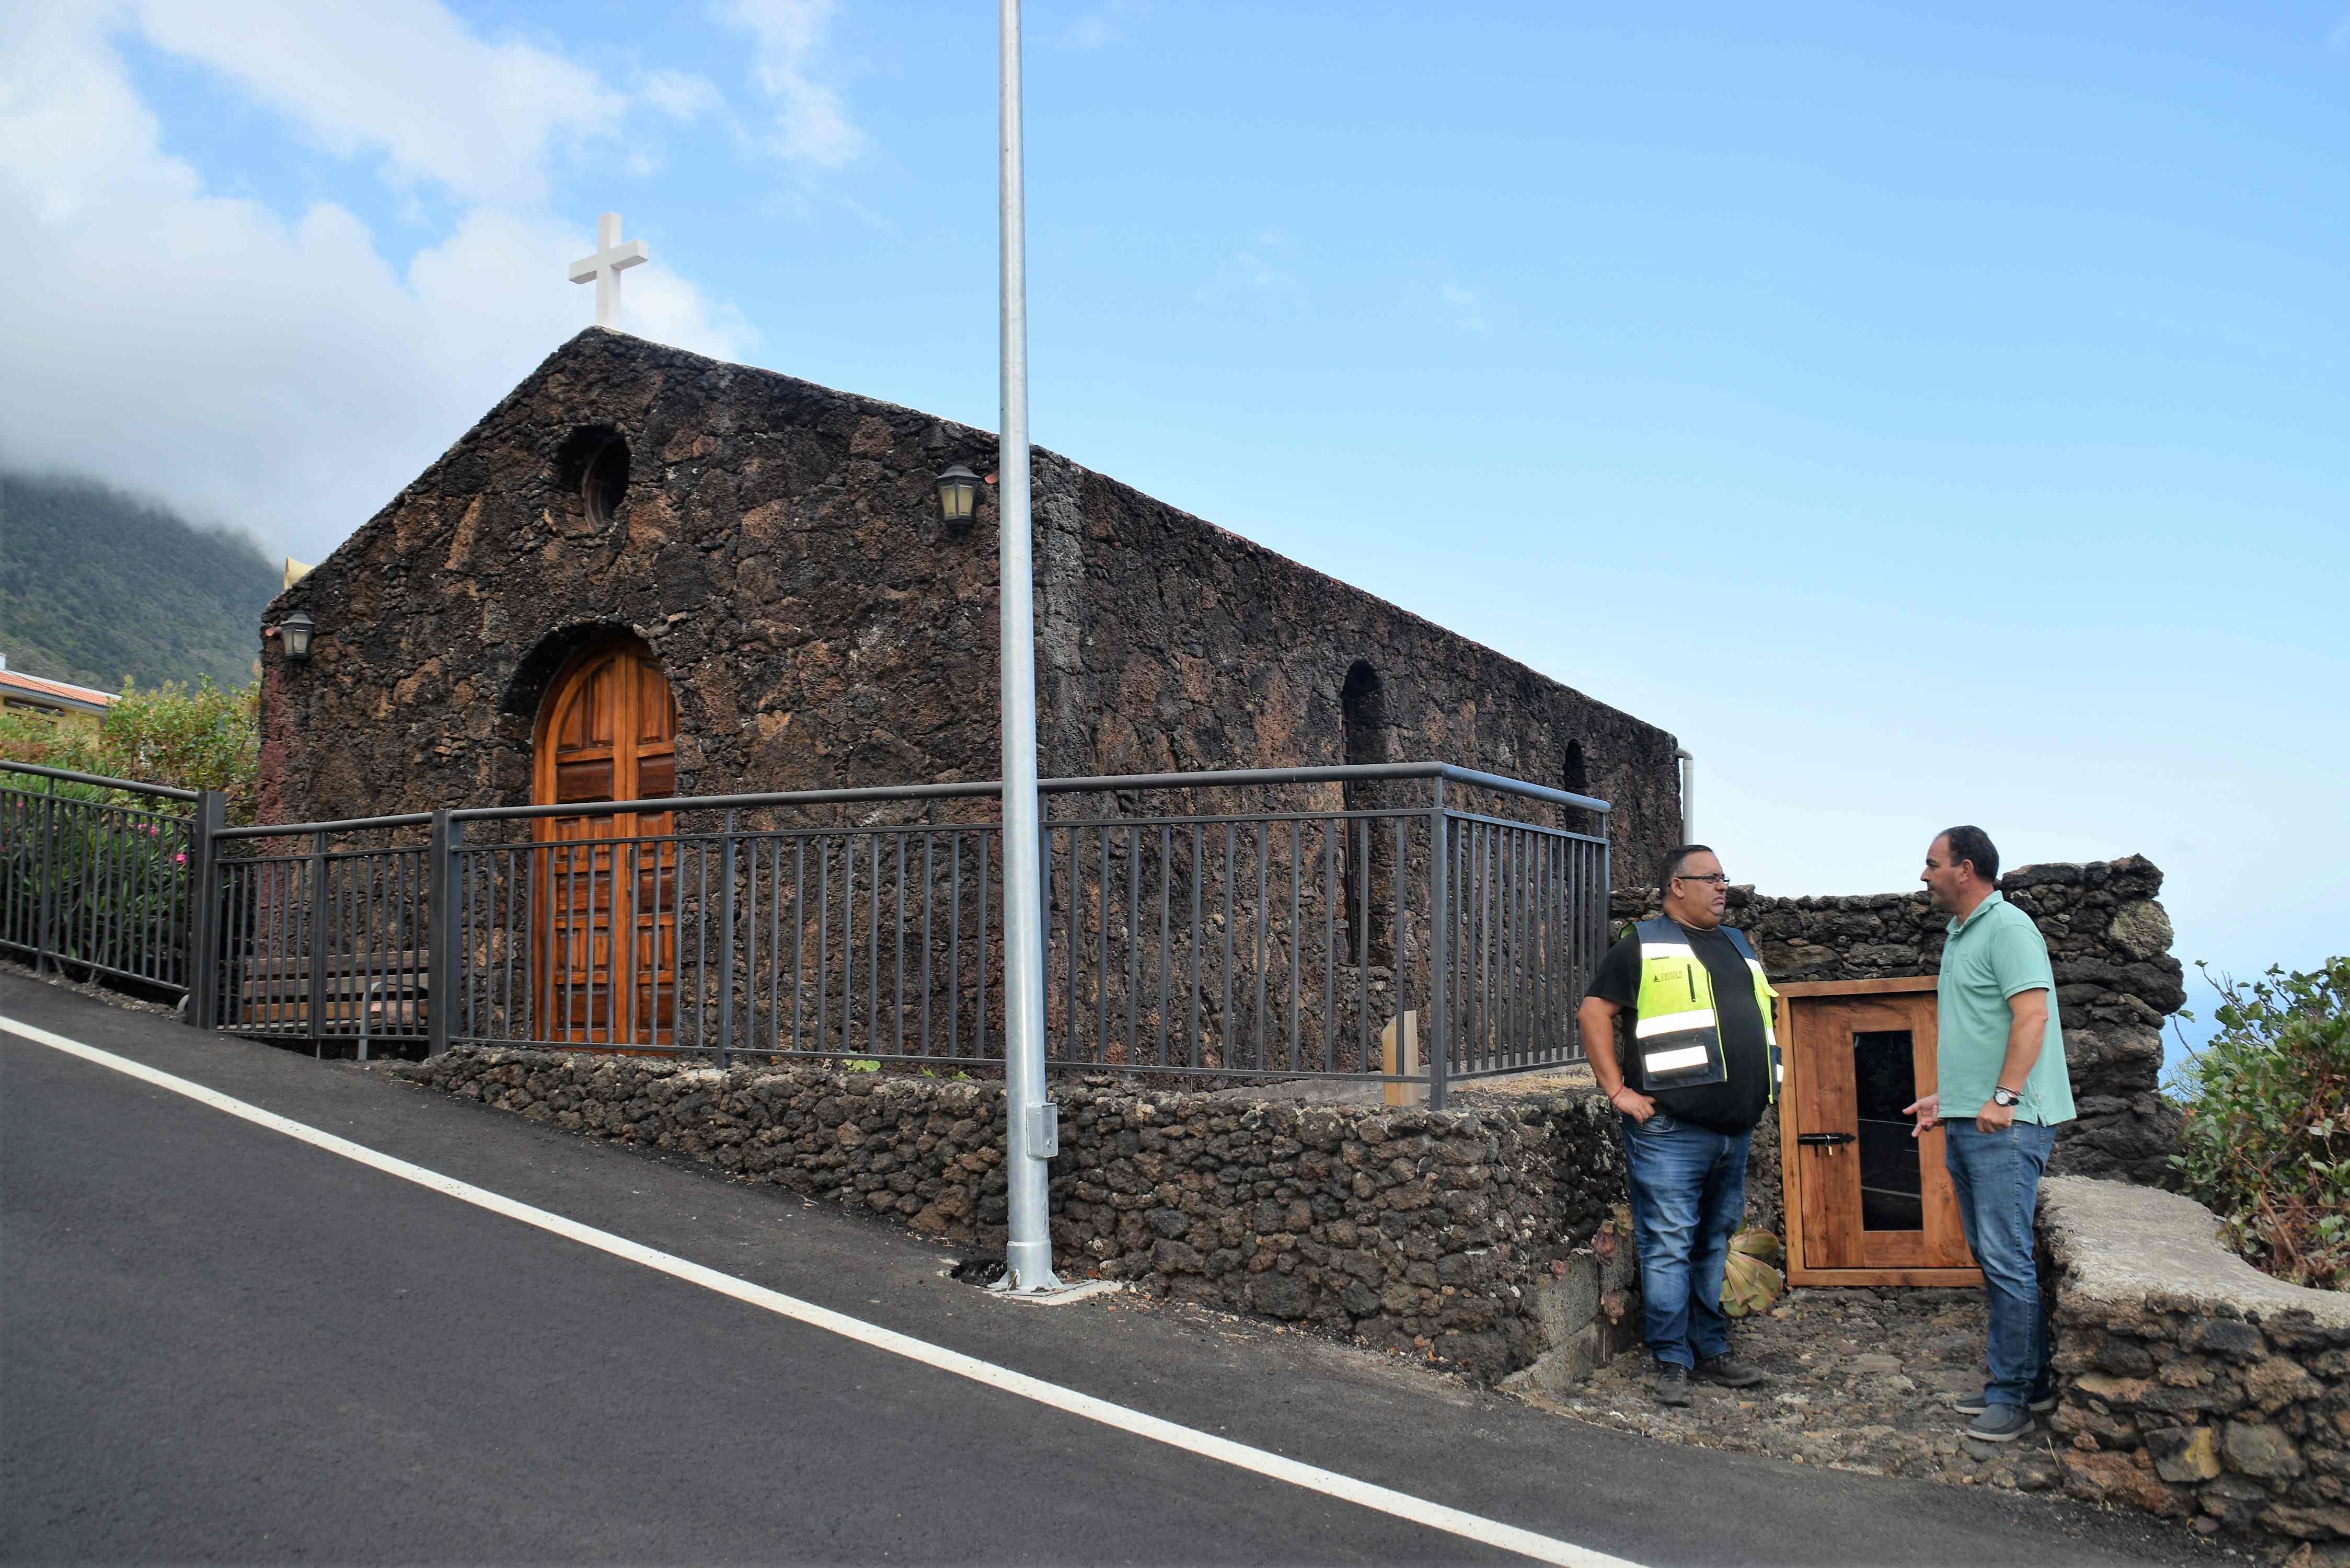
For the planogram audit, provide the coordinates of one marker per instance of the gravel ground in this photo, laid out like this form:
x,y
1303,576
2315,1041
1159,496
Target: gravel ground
x,y
1858,1379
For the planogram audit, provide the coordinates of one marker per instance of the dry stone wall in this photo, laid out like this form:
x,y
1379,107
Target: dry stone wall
x,y
2190,1384
1484,1238
2108,941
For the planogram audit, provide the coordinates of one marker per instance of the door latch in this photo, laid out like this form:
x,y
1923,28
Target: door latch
x,y
1826,1140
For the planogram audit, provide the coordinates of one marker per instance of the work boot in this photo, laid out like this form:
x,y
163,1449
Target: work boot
x,y
1729,1371
1672,1382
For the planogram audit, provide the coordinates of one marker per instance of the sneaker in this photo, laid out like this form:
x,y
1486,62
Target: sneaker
x,y
1999,1424
1975,1404
1672,1382
1729,1371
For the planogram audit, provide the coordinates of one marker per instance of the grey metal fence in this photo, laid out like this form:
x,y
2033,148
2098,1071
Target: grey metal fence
x,y
320,932
98,876
1277,923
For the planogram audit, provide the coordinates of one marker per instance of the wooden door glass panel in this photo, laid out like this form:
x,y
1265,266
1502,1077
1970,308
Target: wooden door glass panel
x,y
1884,1079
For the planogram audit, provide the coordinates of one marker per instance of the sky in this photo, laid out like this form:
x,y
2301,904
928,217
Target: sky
x,y
1928,414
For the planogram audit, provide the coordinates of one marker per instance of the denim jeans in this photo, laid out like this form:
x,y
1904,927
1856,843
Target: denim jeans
x,y
1689,1195
1997,1179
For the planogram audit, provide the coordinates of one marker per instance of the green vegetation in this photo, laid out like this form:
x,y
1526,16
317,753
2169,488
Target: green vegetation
x,y
103,589
103,884
2267,1140
204,739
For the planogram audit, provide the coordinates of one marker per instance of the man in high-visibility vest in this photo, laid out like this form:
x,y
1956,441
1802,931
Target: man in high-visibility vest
x,y
1699,1066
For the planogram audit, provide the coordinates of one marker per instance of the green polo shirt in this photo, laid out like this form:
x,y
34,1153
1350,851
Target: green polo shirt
x,y
1992,954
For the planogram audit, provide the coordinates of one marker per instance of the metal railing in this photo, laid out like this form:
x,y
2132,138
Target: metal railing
x,y
98,875
1250,923
321,932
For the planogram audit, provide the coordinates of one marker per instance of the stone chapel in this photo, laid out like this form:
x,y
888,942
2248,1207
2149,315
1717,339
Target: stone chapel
x,y
748,577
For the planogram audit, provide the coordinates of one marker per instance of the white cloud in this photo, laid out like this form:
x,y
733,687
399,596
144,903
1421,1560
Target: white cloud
x,y
812,124
277,373
1467,311
1256,269
1108,23
400,78
682,96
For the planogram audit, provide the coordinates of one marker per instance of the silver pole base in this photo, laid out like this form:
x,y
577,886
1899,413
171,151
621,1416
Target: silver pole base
x,y
1028,1267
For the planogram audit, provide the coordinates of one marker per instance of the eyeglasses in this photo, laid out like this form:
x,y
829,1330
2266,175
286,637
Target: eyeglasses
x,y
1716,878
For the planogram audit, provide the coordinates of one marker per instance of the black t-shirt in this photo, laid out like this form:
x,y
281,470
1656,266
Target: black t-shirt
x,y
1733,1106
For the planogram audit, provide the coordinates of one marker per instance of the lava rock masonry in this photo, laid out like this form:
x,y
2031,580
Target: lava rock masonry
x,y
2116,982
2190,1384
778,547
1416,1232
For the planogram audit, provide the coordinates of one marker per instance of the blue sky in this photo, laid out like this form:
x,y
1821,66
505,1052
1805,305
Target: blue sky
x,y
1926,418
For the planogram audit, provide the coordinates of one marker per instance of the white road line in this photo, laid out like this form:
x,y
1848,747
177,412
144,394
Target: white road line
x,y
1313,1478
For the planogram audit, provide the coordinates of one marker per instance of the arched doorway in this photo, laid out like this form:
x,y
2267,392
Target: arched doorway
x,y
606,886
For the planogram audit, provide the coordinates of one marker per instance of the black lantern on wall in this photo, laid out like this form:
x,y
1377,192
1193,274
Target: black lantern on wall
x,y
295,630
958,497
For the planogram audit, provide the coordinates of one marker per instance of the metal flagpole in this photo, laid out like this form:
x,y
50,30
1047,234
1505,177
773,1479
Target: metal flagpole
x,y
1031,1132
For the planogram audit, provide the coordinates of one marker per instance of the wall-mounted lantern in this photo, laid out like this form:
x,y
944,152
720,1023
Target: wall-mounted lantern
x,y
295,630
957,498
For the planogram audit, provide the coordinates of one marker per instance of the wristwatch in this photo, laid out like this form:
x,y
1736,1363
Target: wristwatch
x,y
2001,1095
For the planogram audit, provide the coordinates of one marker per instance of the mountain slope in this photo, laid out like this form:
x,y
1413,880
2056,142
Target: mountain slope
x,y
100,588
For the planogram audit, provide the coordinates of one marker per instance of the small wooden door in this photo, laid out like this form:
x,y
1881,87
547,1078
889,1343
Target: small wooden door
x,y
607,886
1868,1204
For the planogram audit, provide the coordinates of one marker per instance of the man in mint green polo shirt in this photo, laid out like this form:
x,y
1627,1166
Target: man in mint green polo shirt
x,y
2001,1088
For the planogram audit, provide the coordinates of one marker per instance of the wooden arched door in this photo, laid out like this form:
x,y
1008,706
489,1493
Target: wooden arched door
x,y
607,886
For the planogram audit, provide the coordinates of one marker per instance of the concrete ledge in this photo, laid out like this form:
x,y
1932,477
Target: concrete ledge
x,y
1588,1312
2137,1247
2189,1383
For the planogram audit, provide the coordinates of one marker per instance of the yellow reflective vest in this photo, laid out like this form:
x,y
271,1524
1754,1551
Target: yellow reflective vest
x,y
1677,1037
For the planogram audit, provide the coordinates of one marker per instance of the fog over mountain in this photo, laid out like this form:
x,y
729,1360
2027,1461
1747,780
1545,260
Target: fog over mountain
x,y
100,588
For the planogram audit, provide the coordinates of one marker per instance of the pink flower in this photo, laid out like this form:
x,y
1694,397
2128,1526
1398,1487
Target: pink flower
x,y
181,858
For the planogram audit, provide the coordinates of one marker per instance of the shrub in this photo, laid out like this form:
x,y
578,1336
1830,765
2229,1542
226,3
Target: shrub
x,y
167,734
2266,1143
102,886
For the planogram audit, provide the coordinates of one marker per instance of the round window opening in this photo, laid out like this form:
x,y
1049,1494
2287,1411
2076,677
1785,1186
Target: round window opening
x,y
606,482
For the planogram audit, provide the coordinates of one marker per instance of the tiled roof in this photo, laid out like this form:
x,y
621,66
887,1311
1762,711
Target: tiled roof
x,y
54,693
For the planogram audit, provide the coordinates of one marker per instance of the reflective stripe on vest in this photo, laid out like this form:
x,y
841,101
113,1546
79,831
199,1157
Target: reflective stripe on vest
x,y
1678,1035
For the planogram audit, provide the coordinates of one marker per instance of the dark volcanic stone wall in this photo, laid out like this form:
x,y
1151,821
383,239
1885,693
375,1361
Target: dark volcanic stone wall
x,y
1423,1233
2108,940
2188,1384
779,548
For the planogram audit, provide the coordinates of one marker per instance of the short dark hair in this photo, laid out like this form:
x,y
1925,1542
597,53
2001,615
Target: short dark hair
x,y
1674,859
1973,845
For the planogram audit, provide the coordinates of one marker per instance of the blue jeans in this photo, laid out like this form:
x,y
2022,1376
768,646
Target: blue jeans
x,y
1689,1195
1997,1179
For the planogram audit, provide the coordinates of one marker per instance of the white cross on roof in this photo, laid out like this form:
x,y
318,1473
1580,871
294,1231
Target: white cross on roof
x,y
604,268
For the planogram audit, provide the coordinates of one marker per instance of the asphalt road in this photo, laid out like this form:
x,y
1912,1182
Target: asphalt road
x,y
219,1343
